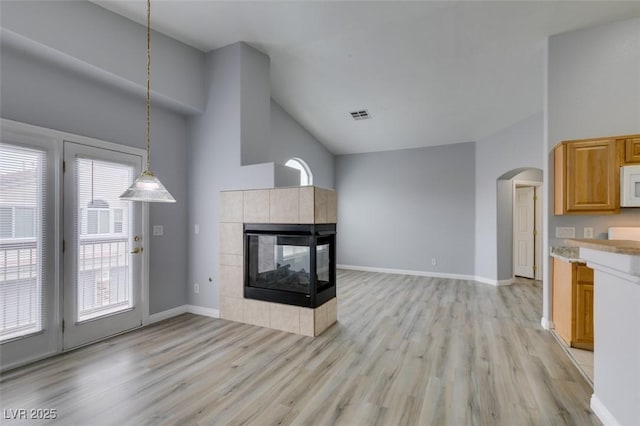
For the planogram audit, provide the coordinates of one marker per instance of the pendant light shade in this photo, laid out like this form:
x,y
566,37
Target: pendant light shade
x,y
147,187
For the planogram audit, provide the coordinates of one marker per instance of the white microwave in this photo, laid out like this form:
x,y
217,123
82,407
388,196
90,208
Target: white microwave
x,y
630,186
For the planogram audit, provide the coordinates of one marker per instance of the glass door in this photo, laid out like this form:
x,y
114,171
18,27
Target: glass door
x,y
28,236
103,246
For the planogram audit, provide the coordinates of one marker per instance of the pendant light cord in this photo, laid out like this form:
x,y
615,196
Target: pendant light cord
x,y
148,84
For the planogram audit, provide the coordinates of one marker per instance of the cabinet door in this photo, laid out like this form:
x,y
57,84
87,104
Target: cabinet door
x,y
632,150
562,299
592,176
583,336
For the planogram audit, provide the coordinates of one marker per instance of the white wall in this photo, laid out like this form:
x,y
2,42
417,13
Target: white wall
x,y
400,209
514,148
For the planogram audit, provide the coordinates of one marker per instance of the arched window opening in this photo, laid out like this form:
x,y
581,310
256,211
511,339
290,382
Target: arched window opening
x,y
306,178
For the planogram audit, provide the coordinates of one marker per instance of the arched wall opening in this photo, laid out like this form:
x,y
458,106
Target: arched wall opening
x,y
506,186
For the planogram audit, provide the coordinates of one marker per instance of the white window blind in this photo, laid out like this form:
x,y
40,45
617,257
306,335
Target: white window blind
x,y
102,221
22,240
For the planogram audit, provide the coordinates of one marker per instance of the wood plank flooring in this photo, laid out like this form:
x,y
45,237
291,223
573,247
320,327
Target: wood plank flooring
x,y
406,351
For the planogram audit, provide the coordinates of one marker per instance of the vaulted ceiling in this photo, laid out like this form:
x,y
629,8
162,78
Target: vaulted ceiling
x,y
429,73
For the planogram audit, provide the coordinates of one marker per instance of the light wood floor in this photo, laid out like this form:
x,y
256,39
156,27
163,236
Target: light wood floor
x,y
406,351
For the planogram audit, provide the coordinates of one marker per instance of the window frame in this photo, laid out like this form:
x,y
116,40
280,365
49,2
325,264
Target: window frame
x,y
306,176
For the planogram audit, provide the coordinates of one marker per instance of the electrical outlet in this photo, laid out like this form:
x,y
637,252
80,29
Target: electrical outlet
x,y
565,232
158,230
588,233
433,261
196,288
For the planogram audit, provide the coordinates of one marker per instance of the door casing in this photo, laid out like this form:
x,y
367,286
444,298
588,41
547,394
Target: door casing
x,y
537,225
24,352
76,334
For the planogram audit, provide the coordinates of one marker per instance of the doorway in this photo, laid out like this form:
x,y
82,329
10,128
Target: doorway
x,y
72,266
507,244
102,245
527,215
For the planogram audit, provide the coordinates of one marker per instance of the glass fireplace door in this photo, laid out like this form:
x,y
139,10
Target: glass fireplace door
x,y
292,264
280,263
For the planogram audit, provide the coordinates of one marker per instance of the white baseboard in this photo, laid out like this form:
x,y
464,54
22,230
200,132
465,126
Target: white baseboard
x,y
546,323
169,313
492,281
25,361
426,274
602,412
179,310
207,312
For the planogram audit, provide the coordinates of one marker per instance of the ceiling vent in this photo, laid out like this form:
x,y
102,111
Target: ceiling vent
x,y
360,115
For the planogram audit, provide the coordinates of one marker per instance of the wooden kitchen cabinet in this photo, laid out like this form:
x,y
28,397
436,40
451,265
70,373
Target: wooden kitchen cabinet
x,y
632,150
572,307
587,177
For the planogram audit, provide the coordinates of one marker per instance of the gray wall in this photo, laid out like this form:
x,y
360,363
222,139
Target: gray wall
x,y
97,41
594,90
59,70
400,209
36,92
510,150
216,145
255,102
289,139
214,165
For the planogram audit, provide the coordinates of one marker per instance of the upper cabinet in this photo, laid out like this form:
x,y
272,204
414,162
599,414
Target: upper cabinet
x,y
632,150
587,177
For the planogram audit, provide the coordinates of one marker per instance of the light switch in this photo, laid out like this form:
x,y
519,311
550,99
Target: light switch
x,y
158,230
196,229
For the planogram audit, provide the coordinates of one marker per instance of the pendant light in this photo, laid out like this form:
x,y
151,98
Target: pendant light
x,y
147,187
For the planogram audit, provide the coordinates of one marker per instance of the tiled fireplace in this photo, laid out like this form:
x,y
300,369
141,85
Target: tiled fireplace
x,y
292,220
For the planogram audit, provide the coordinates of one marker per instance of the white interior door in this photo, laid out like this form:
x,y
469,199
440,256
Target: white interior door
x,y
103,244
523,232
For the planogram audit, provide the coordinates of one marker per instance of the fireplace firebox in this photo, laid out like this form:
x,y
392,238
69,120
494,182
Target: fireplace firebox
x,y
290,264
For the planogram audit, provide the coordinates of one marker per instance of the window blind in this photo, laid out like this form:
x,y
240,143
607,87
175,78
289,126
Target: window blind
x,y
22,240
104,276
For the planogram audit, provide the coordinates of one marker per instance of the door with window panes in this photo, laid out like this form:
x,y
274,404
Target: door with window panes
x,y
71,252
28,238
103,245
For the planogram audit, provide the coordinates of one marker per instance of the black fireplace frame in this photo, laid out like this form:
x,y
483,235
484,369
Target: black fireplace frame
x,y
313,232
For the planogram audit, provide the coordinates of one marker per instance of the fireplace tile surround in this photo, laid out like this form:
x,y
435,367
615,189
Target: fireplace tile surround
x,y
297,205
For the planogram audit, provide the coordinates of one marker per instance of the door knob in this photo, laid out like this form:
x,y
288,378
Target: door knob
x,y
136,250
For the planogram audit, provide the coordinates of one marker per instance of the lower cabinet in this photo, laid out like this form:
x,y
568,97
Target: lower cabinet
x,y
583,336
572,307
